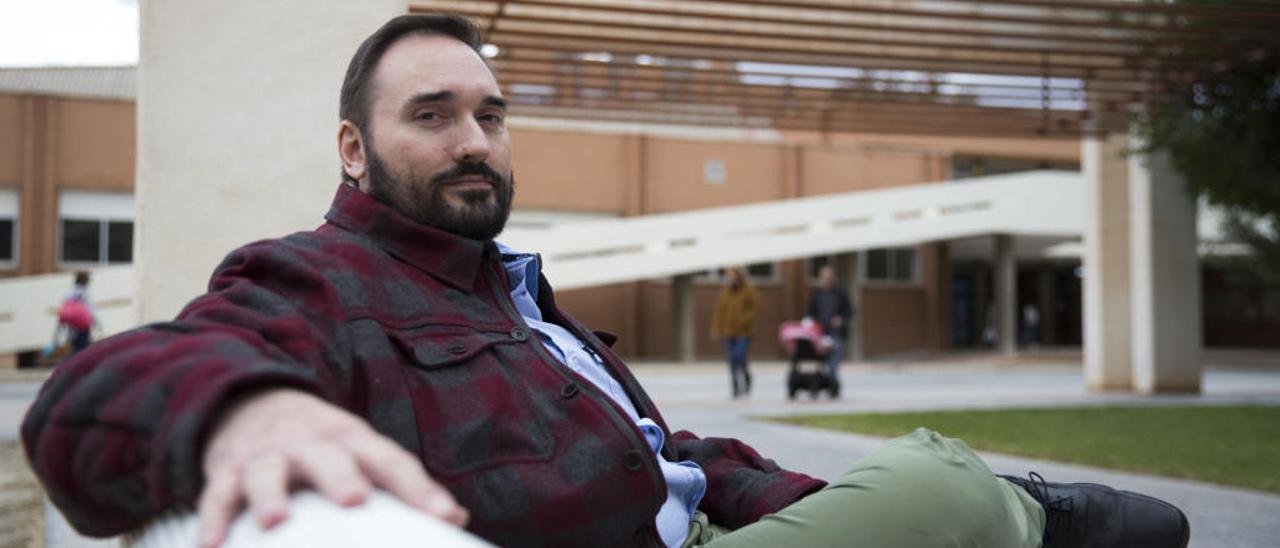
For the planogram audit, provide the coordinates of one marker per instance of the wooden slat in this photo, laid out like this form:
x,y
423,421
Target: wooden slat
x,y
1114,57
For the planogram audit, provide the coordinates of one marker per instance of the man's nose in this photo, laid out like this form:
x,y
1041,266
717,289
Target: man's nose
x,y
472,142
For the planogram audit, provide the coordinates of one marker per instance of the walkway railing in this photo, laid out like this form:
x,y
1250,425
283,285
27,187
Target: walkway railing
x,y
1046,203
29,305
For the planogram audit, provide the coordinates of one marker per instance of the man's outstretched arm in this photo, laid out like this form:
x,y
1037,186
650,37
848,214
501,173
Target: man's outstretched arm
x,y
118,434
742,486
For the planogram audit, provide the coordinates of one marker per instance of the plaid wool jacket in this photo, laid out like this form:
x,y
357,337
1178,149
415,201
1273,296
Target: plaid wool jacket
x,y
412,329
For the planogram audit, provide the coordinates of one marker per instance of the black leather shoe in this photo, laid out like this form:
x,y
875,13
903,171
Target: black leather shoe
x,y
1088,515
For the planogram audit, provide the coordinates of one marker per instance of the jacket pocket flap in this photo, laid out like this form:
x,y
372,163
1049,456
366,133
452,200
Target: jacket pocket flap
x,y
434,348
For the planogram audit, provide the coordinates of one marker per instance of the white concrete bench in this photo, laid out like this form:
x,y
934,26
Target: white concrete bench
x,y
314,522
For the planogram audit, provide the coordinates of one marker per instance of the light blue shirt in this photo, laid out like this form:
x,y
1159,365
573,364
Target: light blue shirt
x,y
685,481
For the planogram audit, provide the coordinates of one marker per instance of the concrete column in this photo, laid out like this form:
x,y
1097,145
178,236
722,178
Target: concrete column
x,y
1165,278
849,277
258,158
1006,264
1107,342
682,318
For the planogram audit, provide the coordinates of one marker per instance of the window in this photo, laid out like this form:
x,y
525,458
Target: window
x,y
8,228
8,240
963,167
892,265
95,228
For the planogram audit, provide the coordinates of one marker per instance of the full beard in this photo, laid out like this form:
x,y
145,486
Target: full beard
x,y
423,201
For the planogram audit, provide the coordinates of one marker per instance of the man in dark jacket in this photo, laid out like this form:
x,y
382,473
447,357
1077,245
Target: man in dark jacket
x,y
829,306
398,346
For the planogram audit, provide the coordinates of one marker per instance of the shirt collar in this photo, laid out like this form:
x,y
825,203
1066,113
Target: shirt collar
x,y
522,268
451,258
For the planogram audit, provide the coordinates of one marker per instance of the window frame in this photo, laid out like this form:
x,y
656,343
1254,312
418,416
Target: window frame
x,y
104,243
917,265
15,244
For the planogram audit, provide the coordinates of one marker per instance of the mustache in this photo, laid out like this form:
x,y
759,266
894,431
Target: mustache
x,y
470,168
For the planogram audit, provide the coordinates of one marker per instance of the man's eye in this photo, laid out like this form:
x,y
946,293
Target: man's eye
x,y
427,116
491,118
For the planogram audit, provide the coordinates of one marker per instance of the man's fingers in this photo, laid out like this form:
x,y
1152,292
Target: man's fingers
x,y
218,503
266,487
332,470
394,469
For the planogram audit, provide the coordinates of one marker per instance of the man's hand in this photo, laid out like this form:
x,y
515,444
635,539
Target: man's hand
x,y
282,438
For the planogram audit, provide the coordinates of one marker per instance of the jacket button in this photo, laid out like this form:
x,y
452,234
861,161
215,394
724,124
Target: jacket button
x,y
568,391
519,333
633,460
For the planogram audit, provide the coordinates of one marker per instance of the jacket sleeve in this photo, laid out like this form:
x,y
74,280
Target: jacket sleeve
x,y
742,486
116,433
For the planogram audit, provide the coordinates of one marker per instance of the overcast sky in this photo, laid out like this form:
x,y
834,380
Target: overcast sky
x,y
68,32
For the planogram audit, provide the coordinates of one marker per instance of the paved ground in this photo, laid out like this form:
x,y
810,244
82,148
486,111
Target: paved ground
x,y
1220,517
696,398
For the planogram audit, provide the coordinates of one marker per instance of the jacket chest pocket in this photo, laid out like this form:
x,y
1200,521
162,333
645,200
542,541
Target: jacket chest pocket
x,y
471,395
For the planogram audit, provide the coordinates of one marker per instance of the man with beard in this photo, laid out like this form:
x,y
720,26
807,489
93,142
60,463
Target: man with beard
x,y
398,346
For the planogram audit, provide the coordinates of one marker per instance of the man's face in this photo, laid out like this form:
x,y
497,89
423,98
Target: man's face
x,y
827,277
436,139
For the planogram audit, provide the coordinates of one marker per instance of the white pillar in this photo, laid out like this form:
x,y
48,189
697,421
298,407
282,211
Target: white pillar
x,y
237,117
1165,278
1107,344
682,318
1006,264
849,276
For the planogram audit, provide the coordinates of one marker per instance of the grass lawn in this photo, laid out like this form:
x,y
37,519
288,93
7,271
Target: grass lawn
x,y
1237,445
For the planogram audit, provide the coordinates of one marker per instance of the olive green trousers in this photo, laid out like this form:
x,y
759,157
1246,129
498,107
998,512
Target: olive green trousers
x,y
921,490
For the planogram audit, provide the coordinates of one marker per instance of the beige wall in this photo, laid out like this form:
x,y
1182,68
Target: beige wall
x,y
673,174
51,144
11,132
833,169
1059,149
571,171
237,129
95,145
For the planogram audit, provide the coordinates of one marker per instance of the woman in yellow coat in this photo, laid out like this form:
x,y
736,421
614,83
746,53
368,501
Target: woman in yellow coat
x,y
735,313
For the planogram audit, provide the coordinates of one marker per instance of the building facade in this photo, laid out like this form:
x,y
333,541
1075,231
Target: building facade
x,y
66,202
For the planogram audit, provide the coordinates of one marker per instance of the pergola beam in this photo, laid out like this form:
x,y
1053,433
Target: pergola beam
x,y
1041,67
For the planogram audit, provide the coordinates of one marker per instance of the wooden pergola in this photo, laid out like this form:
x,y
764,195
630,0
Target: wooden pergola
x,y
991,67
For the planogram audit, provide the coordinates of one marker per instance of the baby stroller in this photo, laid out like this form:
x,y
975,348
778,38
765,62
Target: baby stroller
x,y
807,348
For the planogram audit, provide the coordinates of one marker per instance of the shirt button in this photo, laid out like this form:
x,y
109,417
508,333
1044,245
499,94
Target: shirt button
x,y
568,391
633,460
519,333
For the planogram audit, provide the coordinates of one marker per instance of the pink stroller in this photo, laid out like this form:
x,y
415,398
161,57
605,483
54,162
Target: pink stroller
x,y
807,349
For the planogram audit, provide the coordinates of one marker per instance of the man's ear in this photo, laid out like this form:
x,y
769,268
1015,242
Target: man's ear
x,y
351,150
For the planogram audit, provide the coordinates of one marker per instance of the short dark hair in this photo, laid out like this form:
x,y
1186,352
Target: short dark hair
x,y
82,278
353,103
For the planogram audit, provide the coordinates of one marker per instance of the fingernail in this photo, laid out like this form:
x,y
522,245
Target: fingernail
x,y
439,504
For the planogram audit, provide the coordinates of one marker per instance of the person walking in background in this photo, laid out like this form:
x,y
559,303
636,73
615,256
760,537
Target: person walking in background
x,y
1031,326
734,315
75,317
830,307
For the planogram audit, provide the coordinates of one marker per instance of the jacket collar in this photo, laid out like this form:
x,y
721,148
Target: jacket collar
x,y
453,259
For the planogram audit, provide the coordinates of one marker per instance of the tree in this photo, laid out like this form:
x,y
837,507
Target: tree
x,y
1222,133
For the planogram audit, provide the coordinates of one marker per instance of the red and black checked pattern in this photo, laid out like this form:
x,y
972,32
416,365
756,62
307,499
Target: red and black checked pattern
x,y
412,329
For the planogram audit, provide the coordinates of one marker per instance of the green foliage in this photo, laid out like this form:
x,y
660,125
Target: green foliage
x,y
1225,138
1229,445
1223,133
